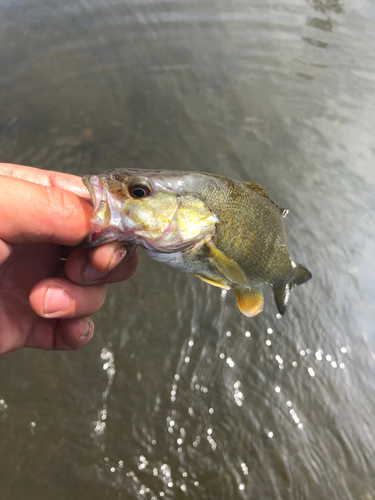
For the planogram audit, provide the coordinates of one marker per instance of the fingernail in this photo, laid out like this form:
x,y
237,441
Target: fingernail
x,y
90,274
88,331
117,257
56,300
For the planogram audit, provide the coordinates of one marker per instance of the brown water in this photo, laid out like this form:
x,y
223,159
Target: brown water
x,y
179,396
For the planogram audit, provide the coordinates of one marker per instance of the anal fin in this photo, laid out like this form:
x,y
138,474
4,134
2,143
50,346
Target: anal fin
x,y
249,300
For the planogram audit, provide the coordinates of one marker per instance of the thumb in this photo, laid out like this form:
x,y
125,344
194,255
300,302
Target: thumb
x,y
32,213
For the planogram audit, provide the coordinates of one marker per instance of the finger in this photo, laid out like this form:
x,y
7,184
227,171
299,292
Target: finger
x,y
60,334
72,334
106,257
49,178
31,213
79,267
5,251
59,298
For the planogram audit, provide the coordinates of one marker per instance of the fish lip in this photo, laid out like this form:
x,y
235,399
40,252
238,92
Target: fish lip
x,y
101,232
95,187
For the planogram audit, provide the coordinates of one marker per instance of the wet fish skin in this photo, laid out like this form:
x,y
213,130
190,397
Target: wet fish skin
x,y
228,233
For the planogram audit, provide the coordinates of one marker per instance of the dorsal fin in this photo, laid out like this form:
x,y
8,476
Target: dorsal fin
x,y
256,187
260,190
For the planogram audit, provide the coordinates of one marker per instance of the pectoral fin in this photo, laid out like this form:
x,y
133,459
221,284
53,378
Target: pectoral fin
x,y
249,300
228,267
212,282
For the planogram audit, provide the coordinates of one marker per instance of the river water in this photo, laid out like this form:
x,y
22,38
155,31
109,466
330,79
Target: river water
x,y
179,396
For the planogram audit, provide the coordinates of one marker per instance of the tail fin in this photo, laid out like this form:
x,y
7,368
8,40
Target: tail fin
x,y
282,294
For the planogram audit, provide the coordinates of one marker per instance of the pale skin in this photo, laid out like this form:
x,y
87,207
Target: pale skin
x,y
45,302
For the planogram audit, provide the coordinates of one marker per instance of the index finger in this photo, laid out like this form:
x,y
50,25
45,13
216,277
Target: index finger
x,y
68,182
32,213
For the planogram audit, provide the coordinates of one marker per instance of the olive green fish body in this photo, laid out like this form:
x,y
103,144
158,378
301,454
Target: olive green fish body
x,y
226,232
250,229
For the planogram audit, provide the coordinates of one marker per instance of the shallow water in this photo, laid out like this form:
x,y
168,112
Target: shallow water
x,y
178,395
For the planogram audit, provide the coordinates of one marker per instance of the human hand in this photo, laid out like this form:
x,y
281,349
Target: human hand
x,y
44,301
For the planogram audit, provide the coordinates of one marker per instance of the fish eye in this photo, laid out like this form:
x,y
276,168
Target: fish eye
x,y
138,190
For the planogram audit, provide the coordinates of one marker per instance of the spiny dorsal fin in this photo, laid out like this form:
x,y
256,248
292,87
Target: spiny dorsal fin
x,y
228,267
256,187
260,190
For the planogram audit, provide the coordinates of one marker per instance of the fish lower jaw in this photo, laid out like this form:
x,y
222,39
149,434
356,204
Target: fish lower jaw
x,y
99,236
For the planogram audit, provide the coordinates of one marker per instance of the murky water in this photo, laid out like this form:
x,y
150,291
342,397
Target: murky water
x,y
179,396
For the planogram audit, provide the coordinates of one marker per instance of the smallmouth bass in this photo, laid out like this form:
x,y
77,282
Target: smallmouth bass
x,y
226,232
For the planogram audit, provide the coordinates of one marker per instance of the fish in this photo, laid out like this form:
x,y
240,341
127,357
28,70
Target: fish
x,y
226,232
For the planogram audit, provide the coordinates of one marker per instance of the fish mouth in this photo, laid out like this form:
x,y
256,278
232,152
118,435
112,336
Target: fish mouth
x,y
95,187
101,229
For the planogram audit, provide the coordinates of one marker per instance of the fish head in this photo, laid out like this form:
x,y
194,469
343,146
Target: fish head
x,y
146,208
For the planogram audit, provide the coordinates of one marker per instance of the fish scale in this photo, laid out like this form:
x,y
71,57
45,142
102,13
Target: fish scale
x,y
250,231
